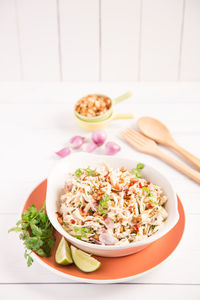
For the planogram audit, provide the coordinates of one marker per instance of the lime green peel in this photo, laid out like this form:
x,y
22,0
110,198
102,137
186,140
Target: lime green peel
x,y
84,261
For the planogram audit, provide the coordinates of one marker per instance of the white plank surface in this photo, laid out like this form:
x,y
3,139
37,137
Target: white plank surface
x,y
190,59
56,40
120,29
39,39
161,30
35,121
101,292
9,43
79,34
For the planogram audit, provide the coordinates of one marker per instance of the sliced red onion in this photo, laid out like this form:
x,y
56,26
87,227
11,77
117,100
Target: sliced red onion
x,y
77,141
69,186
94,206
64,152
90,147
107,239
112,148
109,223
99,137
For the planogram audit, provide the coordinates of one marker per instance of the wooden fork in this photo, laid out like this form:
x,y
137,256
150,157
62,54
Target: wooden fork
x,y
143,144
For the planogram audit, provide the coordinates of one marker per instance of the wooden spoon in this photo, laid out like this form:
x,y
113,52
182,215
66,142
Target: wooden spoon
x,y
158,132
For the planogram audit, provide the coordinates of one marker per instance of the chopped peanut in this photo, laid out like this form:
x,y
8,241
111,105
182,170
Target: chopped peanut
x,y
93,105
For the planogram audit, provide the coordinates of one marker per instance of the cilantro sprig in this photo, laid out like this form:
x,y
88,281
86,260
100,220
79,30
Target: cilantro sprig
x,y
136,171
36,232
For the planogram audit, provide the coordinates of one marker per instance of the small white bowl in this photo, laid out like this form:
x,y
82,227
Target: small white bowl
x,y
58,177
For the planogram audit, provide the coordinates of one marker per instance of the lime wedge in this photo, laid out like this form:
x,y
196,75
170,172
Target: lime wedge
x,y
84,261
63,253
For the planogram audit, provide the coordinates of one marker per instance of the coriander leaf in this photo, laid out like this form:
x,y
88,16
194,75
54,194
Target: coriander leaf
x,y
101,210
76,228
137,173
90,171
18,223
41,252
33,243
140,166
147,190
51,241
36,230
16,229
29,261
78,172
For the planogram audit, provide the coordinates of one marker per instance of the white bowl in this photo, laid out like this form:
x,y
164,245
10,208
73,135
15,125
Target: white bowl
x,y
58,177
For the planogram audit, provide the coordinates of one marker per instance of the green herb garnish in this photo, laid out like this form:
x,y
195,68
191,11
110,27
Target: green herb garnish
x,y
83,231
154,202
102,204
36,231
78,172
104,201
136,171
90,172
76,228
86,229
147,190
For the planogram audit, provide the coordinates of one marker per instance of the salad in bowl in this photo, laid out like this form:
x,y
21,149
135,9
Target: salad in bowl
x,y
109,206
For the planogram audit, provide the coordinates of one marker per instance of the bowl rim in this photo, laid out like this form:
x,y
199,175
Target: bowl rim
x,y
144,242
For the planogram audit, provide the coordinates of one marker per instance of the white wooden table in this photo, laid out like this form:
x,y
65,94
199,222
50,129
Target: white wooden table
x,y
35,121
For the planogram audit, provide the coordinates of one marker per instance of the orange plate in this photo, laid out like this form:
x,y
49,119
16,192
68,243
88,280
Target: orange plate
x,y
114,269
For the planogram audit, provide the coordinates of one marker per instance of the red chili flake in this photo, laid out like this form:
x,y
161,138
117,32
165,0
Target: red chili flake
x,y
59,214
150,205
136,227
140,185
72,221
87,221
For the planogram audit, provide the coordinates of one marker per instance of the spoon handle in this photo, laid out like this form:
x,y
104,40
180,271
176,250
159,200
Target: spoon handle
x,y
185,169
189,156
122,98
123,116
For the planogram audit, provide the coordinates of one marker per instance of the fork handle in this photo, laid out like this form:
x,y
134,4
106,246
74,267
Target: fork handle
x,y
189,156
193,174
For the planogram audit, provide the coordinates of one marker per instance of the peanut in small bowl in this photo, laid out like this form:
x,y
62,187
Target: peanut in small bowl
x,y
95,111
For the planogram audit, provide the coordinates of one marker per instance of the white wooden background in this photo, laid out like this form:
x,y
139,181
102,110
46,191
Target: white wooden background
x,y
99,40
36,120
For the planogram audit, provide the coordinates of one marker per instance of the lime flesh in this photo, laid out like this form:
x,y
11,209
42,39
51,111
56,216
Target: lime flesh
x,y
84,261
63,253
